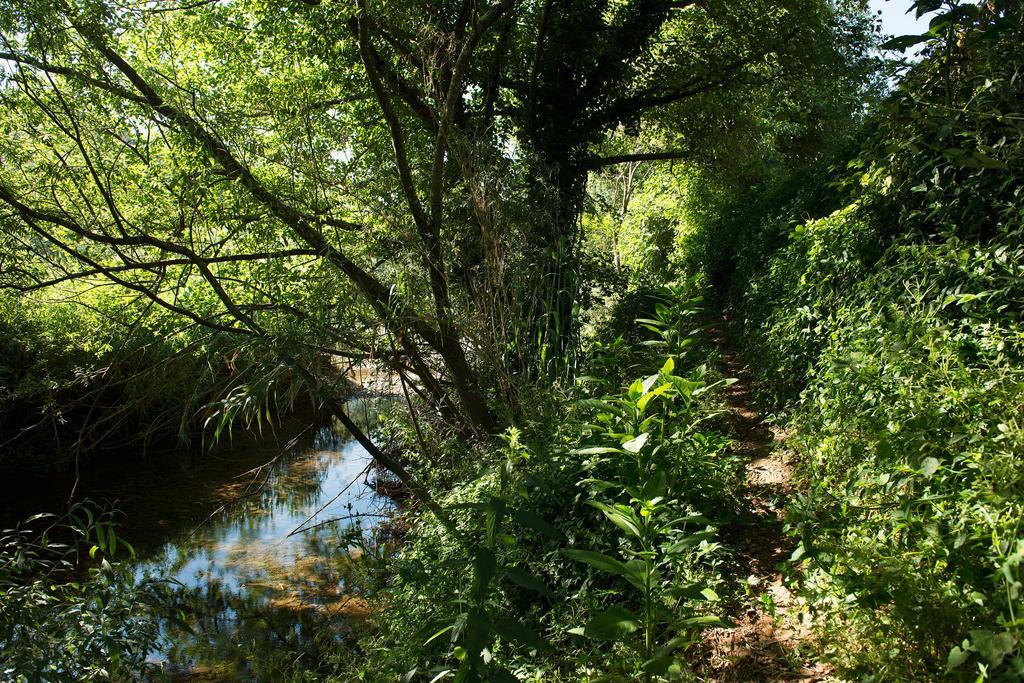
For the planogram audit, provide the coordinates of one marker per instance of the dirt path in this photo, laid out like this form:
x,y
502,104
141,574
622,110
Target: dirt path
x,y
765,644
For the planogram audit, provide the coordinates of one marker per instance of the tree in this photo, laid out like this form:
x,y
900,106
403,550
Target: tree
x,y
399,181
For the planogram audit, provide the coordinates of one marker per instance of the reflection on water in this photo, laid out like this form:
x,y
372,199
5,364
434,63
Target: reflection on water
x,y
271,563
239,544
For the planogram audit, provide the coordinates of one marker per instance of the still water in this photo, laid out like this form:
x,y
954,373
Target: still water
x,y
274,517
258,540
268,543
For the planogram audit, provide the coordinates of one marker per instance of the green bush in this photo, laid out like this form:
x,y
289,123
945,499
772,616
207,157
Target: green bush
x,y
889,331
103,373
578,545
69,611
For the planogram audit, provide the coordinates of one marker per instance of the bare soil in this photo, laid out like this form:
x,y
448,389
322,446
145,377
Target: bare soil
x,y
771,637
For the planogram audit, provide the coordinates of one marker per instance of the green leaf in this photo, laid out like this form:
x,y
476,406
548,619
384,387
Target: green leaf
x,y
985,161
626,521
634,445
614,623
641,404
600,484
636,390
594,404
706,621
657,666
636,574
797,553
438,634
728,382
673,645
994,647
477,630
494,513
689,541
655,486
178,619
956,658
527,581
690,519
596,450
923,7
41,515
902,43
484,566
686,387
691,591
514,631
597,560
534,521
929,466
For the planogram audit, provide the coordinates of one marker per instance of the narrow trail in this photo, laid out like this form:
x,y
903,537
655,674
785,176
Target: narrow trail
x,y
765,643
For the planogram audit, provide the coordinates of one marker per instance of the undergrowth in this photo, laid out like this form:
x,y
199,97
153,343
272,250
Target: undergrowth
x,y
887,331
70,608
585,544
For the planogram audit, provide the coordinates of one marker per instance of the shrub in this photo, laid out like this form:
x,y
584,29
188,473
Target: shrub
x,y
69,611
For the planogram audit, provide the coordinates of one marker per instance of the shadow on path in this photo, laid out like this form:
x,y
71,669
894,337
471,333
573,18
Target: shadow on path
x,y
763,644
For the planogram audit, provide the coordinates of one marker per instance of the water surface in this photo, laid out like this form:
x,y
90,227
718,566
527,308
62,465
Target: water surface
x,y
265,555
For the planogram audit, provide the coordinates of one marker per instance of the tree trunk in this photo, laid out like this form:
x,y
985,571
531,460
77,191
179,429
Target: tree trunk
x,y
556,237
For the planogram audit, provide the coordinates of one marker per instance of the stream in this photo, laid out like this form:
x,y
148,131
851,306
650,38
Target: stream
x,y
257,539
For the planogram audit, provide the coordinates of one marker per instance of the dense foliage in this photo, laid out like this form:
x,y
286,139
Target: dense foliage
x,y
69,610
364,181
531,212
590,552
887,329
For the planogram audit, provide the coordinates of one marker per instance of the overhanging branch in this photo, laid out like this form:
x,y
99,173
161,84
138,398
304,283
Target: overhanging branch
x,y
600,162
162,263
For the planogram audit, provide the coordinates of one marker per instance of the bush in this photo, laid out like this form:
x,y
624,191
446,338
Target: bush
x,y
576,545
888,327
69,611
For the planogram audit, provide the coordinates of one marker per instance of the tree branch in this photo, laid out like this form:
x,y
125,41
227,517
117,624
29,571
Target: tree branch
x,y
31,62
599,162
696,86
163,263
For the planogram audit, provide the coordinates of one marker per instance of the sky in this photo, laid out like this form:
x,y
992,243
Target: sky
x,y
896,21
